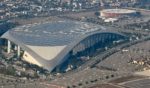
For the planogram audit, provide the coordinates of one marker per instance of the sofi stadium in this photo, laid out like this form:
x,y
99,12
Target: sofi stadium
x,y
49,44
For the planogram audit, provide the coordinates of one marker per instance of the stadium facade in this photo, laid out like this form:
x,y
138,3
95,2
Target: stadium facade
x,y
49,44
115,13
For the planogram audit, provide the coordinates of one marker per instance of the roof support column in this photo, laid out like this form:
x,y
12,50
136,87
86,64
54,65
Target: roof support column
x,y
8,46
18,51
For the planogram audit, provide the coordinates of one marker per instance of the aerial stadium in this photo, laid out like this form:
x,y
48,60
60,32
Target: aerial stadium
x,y
49,44
115,13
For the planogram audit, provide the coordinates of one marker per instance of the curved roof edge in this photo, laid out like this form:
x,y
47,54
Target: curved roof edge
x,y
61,57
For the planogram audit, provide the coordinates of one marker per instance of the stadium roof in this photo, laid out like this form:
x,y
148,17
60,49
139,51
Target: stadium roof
x,y
48,44
52,33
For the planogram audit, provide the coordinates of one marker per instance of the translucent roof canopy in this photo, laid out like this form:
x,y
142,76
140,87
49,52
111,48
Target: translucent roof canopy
x,y
52,33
